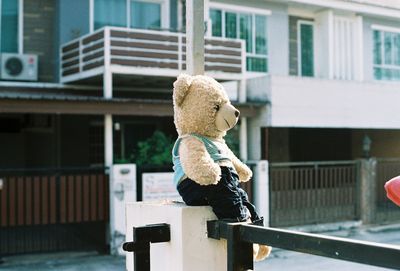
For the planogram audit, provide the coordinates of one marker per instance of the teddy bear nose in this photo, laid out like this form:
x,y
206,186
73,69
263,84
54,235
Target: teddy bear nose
x,y
237,113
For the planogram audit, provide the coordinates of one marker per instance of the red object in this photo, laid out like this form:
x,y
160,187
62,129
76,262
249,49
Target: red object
x,y
393,190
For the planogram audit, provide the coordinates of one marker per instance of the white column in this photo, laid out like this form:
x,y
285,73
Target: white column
x,y
108,135
243,139
195,37
261,190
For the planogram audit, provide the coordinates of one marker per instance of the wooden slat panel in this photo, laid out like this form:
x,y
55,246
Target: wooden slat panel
x,y
94,37
63,199
93,198
86,198
12,202
4,203
93,56
78,198
224,69
70,56
173,56
106,196
67,64
223,60
223,52
71,71
92,47
225,43
28,201
36,200
141,63
93,65
101,196
70,47
53,200
144,45
21,207
45,200
144,36
71,200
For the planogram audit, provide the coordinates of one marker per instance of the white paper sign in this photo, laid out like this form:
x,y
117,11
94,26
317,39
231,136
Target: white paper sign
x,y
159,186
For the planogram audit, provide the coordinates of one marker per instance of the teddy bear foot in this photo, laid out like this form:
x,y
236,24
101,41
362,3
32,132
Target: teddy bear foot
x,y
262,253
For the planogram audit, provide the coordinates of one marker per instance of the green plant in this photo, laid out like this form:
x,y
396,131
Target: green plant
x,y
155,150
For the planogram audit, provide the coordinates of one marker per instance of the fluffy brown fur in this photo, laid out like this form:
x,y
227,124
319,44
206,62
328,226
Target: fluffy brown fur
x,y
202,106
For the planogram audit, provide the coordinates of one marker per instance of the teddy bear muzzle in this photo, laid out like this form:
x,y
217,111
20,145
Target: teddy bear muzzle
x,y
227,117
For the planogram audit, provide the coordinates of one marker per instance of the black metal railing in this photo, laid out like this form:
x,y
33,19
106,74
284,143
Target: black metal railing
x,y
240,238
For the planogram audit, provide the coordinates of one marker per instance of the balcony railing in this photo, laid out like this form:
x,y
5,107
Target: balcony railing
x,y
146,52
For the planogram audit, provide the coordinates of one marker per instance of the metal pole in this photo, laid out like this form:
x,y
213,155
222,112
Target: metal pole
x,y
195,37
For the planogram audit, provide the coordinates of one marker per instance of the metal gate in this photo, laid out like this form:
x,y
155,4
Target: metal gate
x,y
53,210
313,192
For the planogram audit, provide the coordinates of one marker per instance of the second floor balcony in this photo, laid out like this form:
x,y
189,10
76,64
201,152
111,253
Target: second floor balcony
x,y
133,53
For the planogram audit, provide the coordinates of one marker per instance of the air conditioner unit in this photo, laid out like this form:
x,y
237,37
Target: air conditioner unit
x,y
19,67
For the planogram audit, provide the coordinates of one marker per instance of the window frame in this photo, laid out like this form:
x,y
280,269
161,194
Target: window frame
x,y
253,12
384,29
165,18
20,34
299,47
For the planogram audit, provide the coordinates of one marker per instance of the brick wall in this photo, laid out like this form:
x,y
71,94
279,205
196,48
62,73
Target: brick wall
x,y
39,36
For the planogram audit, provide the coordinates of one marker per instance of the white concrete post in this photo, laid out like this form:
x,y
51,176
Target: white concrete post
x,y
243,139
189,248
261,190
108,134
195,37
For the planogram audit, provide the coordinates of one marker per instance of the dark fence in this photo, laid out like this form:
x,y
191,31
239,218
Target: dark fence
x,y
312,192
53,210
386,211
240,238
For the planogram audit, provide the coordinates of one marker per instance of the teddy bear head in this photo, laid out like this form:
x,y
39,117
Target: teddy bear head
x,y
202,106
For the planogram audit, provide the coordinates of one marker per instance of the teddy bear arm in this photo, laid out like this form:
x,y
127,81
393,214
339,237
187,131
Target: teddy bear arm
x,y
197,163
242,169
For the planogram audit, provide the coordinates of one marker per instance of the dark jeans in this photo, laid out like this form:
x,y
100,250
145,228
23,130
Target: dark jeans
x,y
227,199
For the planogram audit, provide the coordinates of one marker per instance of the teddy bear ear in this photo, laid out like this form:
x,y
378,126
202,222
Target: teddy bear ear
x,y
181,88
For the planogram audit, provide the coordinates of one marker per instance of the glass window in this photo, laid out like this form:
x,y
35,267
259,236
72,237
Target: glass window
x,y
246,31
216,19
386,52
230,25
109,12
9,26
261,35
249,27
306,50
145,15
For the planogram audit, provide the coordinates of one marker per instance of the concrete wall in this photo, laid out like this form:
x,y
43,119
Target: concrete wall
x,y
310,102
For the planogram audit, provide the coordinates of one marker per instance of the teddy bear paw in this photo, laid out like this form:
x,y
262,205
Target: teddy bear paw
x,y
262,252
245,175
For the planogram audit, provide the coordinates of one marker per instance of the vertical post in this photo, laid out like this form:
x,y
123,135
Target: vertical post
x,y
240,254
367,190
108,133
195,37
261,190
243,139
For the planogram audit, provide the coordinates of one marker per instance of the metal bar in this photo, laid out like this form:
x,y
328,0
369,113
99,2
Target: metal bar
x,y
240,253
142,237
363,252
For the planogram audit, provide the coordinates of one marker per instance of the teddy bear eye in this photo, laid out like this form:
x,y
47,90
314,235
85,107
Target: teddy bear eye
x,y
216,107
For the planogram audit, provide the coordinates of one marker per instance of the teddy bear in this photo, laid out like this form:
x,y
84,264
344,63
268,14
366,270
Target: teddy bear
x,y
206,171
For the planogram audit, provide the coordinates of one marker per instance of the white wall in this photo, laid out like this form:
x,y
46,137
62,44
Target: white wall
x,y
310,102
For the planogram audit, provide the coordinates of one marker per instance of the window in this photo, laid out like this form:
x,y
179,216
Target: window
x,y
109,12
386,55
251,28
305,49
9,26
144,14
